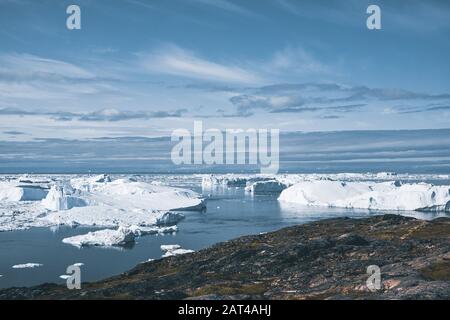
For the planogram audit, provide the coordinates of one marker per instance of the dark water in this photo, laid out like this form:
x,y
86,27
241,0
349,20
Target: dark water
x,y
230,213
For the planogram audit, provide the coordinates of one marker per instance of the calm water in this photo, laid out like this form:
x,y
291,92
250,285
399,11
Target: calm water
x,y
230,213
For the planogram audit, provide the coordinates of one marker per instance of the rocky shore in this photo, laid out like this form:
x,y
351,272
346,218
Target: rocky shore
x,y
321,260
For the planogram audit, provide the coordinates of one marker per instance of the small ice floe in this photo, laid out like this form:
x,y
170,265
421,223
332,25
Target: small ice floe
x,y
27,265
173,250
78,264
107,237
120,237
64,276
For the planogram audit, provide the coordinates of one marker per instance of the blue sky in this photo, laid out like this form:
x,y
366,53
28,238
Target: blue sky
x,y
144,68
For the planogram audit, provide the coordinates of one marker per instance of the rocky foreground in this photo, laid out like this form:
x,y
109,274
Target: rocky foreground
x,y
320,260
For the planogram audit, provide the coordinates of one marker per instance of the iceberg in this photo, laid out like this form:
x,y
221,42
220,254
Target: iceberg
x,y
120,237
57,200
391,195
265,187
109,216
29,265
102,202
91,201
107,237
17,192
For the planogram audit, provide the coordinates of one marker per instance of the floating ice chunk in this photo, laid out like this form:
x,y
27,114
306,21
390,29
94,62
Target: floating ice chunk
x,y
65,276
57,200
120,237
143,231
367,195
107,237
78,264
109,216
173,250
124,193
265,187
29,265
13,192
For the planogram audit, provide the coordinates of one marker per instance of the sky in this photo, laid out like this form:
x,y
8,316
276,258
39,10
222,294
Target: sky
x,y
145,68
137,70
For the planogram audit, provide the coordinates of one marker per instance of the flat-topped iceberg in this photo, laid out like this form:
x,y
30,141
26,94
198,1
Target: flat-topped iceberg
x,y
21,192
139,195
265,187
367,195
119,237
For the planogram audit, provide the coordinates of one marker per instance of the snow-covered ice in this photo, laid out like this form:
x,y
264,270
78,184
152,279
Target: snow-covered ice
x,y
29,201
29,265
107,237
230,180
57,200
20,192
367,195
120,237
173,250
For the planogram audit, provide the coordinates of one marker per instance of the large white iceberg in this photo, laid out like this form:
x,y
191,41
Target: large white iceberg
x,y
367,195
91,201
118,203
57,199
19,192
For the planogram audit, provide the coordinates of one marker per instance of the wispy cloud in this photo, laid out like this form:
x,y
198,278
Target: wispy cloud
x,y
117,115
173,60
110,114
311,97
298,60
227,6
26,66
